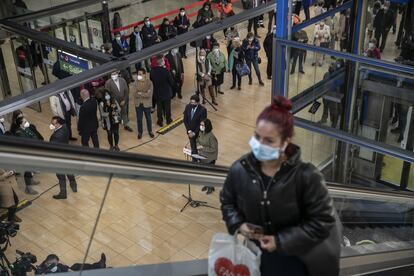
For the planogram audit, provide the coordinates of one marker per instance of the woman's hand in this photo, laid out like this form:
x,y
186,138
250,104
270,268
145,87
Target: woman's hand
x,y
268,243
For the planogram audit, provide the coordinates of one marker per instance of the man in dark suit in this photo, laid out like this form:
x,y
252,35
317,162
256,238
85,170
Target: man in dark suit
x,y
88,122
61,135
164,86
194,113
119,45
176,69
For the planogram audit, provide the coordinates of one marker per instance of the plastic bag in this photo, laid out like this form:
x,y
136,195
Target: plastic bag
x,y
229,256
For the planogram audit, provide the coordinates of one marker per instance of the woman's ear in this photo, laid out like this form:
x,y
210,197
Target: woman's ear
x,y
286,143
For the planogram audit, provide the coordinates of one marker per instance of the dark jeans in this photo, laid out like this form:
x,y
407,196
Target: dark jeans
x,y
383,35
295,58
307,12
256,68
28,176
334,109
62,182
235,76
298,6
252,23
183,50
91,135
270,24
269,66
113,135
193,144
141,110
11,211
164,107
68,121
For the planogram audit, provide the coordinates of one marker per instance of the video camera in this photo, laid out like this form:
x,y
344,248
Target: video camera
x,y
7,230
23,264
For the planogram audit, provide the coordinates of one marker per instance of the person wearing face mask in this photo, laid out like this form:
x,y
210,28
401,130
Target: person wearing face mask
x,y
208,42
251,48
111,118
177,69
142,89
136,44
119,89
236,58
272,188
302,37
164,86
204,76
218,64
322,38
167,30
116,21
52,264
383,22
230,35
320,9
26,130
88,121
373,51
148,33
253,22
119,45
60,134
194,114
225,9
333,108
182,23
207,146
205,15
63,105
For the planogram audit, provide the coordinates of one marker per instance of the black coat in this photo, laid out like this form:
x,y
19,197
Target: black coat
x,y
199,115
163,82
295,207
384,20
268,45
178,66
119,51
61,135
148,35
182,20
167,31
88,122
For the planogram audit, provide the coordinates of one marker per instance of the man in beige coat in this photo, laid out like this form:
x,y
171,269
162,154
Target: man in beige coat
x,y
142,90
8,197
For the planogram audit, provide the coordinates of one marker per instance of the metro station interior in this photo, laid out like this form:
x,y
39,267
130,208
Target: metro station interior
x,y
353,115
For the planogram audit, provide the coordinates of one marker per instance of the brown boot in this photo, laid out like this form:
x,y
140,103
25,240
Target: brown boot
x,y
203,95
213,97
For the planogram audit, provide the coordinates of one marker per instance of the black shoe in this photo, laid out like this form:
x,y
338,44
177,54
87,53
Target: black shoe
x,y
169,122
292,72
139,135
160,124
269,77
102,261
204,189
400,138
220,92
74,187
301,71
261,83
232,87
210,190
239,88
151,135
127,128
250,82
59,196
180,96
73,139
184,56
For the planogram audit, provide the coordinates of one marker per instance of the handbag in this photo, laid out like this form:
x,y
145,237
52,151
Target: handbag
x,y
242,70
229,256
259,60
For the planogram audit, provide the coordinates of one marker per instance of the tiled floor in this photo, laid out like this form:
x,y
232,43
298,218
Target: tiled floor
x,y
141,222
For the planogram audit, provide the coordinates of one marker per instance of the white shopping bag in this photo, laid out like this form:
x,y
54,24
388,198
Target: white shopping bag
x,y
230,257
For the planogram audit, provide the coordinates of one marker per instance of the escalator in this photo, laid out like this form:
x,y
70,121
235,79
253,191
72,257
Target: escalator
x,y
378,225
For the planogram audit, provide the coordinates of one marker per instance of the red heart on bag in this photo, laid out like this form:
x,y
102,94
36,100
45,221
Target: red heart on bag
x,y
225,267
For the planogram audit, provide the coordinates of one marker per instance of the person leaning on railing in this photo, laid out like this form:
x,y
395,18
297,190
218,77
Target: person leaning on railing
x,y
285,198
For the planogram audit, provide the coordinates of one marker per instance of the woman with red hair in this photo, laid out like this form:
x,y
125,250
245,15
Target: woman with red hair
x,y
274,198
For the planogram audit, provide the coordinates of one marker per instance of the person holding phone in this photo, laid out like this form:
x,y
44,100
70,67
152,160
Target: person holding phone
x,y
271,196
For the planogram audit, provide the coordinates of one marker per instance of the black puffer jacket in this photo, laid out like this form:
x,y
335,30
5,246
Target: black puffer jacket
x,y
295,207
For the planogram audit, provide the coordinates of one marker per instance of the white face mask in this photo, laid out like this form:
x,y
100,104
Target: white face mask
x,y
26,124
208,37
182,13
103,51
215,50
118,38
139,77
107,97
114,77
52,127
147,23
1,120
53,269
202,58
202,128
174,51
371,45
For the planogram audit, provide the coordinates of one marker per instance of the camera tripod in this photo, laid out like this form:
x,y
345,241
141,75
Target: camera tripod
x,y
4,264
194,203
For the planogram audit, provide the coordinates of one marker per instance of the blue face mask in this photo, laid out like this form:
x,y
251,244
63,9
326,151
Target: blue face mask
x,y
264,152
